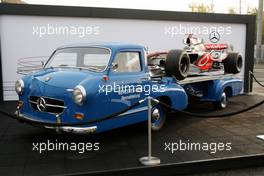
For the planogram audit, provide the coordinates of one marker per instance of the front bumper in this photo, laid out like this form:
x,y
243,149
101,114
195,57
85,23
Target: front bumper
x,y
68,129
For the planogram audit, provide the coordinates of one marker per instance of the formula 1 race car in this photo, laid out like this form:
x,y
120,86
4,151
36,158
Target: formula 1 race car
x,y
202,56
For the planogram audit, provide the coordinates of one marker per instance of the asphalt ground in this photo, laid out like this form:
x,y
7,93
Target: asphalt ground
x,y
254,171
121,148
259,74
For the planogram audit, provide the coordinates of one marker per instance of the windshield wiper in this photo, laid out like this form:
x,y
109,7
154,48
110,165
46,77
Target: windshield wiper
x,y
80,68
68,66
93,68
63,65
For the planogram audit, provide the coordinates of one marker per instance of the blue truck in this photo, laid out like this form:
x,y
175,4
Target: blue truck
x,y
90,81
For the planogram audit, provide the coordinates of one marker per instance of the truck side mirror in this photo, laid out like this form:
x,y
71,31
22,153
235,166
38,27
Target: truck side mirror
x,y
42,64
114,66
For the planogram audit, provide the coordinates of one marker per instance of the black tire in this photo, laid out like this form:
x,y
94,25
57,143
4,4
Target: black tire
x,y
177,64
233,63
222,104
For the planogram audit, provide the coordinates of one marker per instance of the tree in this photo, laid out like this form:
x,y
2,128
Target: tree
x,y
232,10
254,11
202,8
13,1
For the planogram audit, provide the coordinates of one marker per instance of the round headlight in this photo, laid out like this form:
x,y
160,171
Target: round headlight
x,y
19,86
79,95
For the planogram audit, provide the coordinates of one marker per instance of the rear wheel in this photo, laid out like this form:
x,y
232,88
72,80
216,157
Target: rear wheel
x,y
233,63
177,64
222,104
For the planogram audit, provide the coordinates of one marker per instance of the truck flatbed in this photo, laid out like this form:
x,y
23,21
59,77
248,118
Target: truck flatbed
x,y
202,78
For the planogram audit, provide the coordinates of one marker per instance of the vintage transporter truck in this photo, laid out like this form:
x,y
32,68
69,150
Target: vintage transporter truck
x,y
90,81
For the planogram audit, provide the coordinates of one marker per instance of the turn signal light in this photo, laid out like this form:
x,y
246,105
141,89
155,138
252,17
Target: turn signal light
x,y
79,116
105,78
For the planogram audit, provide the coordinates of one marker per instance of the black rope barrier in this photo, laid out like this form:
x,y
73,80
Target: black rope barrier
x,y
213,116
199,115
55,124
115,115
257,81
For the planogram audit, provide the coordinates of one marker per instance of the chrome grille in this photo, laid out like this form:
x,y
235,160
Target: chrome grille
x,y
45,104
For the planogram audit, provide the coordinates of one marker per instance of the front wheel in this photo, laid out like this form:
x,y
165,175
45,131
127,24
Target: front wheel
x,y
177,64
222,104
158,117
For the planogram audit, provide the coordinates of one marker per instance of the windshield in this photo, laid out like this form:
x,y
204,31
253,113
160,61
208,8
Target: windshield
x,y
91,58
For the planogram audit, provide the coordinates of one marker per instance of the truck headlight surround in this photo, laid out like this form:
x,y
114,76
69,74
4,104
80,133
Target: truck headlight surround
x,y
79,95
19,86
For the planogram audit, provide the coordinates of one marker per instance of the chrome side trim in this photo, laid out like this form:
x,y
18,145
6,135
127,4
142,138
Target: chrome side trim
x,y
56,106
69,90
30,101
134,111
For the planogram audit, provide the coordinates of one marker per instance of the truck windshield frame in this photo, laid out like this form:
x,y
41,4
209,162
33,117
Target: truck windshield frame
x,y
91,58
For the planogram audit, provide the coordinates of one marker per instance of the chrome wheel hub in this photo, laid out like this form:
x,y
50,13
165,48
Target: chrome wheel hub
x,y
223,101
155,114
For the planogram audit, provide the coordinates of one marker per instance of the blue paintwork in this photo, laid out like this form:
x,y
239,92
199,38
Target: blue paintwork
x,y
213,89
98,104
231,85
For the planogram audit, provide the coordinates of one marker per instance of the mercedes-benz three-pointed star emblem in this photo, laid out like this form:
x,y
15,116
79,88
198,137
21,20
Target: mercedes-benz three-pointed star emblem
x,y
214,36
41,104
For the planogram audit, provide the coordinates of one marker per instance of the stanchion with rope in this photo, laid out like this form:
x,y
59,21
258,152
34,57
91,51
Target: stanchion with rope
x,y
152,161
249,83
261,136
149,160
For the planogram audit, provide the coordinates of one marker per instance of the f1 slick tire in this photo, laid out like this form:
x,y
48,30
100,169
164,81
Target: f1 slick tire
x,y
233,63
177,64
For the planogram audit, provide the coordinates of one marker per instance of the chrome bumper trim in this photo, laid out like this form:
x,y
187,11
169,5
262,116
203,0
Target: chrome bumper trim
x,y
68,129
75,130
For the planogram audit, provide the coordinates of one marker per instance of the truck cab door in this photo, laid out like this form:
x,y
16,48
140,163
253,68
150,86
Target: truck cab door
x,y
127,79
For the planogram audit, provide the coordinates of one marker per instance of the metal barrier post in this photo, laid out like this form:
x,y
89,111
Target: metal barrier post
x,y
249,83
149,160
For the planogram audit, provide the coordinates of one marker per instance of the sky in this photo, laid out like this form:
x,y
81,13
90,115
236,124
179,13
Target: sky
x,y
220,6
